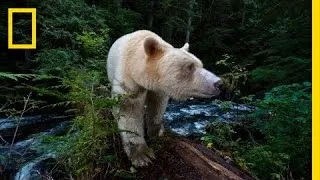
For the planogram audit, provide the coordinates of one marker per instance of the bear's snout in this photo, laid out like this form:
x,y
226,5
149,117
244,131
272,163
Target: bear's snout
x,y
218,84
217,87
213,83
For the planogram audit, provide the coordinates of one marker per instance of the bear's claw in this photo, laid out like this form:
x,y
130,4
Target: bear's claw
x,y
141,161
142,156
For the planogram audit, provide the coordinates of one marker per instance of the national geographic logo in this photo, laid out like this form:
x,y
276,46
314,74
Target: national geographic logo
x,y
33,12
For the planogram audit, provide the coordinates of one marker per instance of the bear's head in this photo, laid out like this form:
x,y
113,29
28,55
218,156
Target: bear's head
x,y
178,73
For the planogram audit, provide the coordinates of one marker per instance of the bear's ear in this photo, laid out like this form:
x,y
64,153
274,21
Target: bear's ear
x,y
152,46
186,46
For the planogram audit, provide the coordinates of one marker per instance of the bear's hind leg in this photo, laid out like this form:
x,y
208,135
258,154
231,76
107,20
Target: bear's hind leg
x,y
132,126
156,105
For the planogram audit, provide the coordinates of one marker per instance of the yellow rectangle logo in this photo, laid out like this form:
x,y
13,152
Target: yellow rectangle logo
x,y
33,12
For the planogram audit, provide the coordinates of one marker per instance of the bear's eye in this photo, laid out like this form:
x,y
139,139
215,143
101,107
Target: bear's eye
x,y
191,67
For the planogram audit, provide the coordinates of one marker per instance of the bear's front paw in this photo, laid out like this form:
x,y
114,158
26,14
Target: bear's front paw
x,y
141,155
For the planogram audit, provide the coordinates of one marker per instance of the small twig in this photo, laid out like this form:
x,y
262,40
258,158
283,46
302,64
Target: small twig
x,y
3,106
19,120
4,140
17,127
92,111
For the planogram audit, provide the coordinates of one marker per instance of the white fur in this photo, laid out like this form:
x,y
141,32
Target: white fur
x,y
147,71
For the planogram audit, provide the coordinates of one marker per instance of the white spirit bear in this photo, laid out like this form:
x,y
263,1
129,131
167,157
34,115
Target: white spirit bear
x,y
147,71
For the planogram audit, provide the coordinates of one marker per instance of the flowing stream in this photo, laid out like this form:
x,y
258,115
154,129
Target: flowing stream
x,y
183,118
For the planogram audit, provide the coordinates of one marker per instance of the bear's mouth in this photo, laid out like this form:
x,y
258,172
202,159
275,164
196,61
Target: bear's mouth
x,y
195,94
204,94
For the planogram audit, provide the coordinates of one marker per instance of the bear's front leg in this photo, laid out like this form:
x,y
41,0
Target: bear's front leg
x,y
131,125
156,105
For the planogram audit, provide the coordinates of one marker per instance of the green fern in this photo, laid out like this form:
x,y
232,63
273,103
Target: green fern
x,y
16,77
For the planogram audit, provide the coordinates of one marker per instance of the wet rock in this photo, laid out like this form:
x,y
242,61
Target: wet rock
x,y
27,153
35,169
11,158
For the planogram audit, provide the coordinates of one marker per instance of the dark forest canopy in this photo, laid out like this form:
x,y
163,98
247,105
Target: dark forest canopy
x,y
271,39
262,49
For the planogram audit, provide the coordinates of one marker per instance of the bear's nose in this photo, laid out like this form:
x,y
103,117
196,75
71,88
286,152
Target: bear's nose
x,y
218,84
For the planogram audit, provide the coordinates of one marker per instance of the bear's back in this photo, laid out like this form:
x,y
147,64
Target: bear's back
x,y
126,57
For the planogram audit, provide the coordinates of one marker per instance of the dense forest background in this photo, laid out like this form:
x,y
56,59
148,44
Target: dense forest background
x,y
262,49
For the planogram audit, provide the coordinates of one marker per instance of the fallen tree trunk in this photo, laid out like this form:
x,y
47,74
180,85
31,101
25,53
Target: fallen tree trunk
x,y
179,158
206,162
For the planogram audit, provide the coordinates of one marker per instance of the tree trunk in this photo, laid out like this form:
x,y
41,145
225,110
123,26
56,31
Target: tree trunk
x,y
166,32
27,60
169,33
150,13
188,30
191,4
243,14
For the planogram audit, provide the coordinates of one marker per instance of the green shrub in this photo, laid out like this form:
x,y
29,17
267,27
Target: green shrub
x,y
62,20
282,71
284,118
94,44
221,136
265,163
279,146
91,151
57,62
